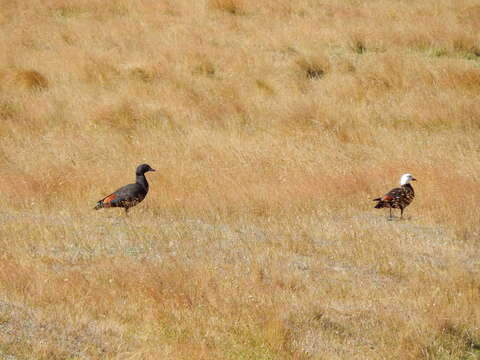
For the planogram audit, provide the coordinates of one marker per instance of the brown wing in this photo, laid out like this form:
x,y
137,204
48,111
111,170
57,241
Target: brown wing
x,y
394,194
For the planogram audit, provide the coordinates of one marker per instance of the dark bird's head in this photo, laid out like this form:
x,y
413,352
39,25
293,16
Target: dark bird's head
x,y
142,169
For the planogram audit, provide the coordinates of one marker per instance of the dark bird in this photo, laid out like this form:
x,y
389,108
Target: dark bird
x,y
128,195
398,198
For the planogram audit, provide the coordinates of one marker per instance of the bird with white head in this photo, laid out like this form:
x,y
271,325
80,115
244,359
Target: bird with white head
x,y
406,178
398,198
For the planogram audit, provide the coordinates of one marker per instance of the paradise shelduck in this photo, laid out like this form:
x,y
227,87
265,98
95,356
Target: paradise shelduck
x,y
398,198
128,195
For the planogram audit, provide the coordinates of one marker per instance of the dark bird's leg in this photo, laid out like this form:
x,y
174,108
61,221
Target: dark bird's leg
x,y
126,211
391,217
401,213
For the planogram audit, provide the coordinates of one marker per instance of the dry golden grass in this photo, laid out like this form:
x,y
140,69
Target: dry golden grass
x,y
272,125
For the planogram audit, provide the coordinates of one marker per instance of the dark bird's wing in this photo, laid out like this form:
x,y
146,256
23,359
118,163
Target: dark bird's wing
x,y
130,193
127,195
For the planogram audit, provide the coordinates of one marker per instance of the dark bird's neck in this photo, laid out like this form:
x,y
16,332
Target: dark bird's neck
x,y
408,187
142,180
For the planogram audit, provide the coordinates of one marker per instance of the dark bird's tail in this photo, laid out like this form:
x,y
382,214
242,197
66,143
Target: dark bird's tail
x,y
380,204
106,202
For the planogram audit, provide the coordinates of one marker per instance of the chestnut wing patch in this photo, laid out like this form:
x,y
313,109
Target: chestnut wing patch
x,y
108,200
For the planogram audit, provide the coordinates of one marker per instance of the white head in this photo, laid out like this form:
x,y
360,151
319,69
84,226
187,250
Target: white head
x,y
406,178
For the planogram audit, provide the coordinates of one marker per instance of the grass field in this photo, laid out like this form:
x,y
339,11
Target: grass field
x,y
272,125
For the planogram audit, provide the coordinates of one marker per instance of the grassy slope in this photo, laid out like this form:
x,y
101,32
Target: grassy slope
x,y
272,125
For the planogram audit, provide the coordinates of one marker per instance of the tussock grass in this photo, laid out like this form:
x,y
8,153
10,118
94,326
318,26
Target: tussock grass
x,y
272,126
233,7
